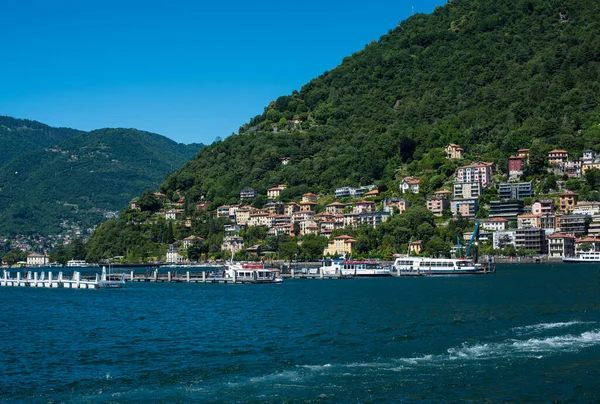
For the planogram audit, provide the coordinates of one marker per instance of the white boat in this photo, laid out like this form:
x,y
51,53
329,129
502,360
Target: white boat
x,y
251,273
590,256
77,264
437,266
342,267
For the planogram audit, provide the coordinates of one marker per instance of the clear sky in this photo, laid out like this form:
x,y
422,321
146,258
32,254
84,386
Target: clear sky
x,y
189,70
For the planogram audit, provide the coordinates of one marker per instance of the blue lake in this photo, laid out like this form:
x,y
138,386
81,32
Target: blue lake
x,y
529,333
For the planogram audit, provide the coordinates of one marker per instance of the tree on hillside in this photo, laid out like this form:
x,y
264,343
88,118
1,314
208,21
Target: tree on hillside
x,y
592,177
148,202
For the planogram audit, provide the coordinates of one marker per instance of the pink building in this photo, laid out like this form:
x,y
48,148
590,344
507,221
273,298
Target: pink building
x,y
437,205
476,172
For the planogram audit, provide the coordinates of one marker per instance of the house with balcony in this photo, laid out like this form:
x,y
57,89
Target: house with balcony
x,y
531,238
291,207
467,189
588,208
465,207
506,209
242,216
476,172
373,218
512,190
495,224
542,206
400,204
310,197
233,244
557,157
248,193
188,241
409,185
364,207
335,208
37,260
273,193
574,224
438,204
307,206
561,245
303,216
275,208
528,220
567,201
594,227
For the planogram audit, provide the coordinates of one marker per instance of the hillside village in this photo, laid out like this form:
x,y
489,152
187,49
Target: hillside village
x,y
516,219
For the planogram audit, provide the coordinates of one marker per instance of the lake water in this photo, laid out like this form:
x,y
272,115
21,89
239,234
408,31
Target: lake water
x,y
529,333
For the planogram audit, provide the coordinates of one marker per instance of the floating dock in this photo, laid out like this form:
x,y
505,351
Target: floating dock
x,y
43,280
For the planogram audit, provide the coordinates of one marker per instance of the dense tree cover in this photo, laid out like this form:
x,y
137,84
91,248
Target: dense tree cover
x,y
18,136
492,76
79,179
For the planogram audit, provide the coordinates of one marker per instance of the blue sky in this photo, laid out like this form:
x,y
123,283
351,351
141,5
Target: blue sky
x,y
188,70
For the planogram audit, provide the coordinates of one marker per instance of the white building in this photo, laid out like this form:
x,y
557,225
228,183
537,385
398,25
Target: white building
x,y
495,224
37,260
409,185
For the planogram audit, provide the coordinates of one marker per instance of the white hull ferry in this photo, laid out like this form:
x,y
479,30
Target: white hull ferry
x,y
348,268
77,264
251,273
591,256
437,266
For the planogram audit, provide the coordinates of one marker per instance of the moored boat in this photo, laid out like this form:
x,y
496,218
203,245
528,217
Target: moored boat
x,y
77,264
583,257
251,273
438,266
358,268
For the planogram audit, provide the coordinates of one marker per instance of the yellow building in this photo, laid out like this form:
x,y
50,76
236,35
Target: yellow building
x,y
340,245
415,247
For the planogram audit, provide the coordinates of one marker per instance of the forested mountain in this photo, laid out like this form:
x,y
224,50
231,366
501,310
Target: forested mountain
x,y
489,75
21,135
80,180
492,76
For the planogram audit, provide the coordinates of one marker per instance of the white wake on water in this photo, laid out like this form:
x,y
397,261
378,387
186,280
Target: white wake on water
x,y
532,348
549,326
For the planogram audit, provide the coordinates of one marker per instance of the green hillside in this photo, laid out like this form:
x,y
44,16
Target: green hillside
x,y
19,136
84,178
492,76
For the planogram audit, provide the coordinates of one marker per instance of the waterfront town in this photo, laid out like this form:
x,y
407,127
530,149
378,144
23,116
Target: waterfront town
x,y
556,224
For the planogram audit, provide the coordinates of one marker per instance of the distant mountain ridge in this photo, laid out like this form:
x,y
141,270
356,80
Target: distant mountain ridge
x,y
56,180
22,135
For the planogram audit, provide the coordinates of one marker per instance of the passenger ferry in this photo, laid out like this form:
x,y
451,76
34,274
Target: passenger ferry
x,y
591,256
77,264
437,266
344,267
252,273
